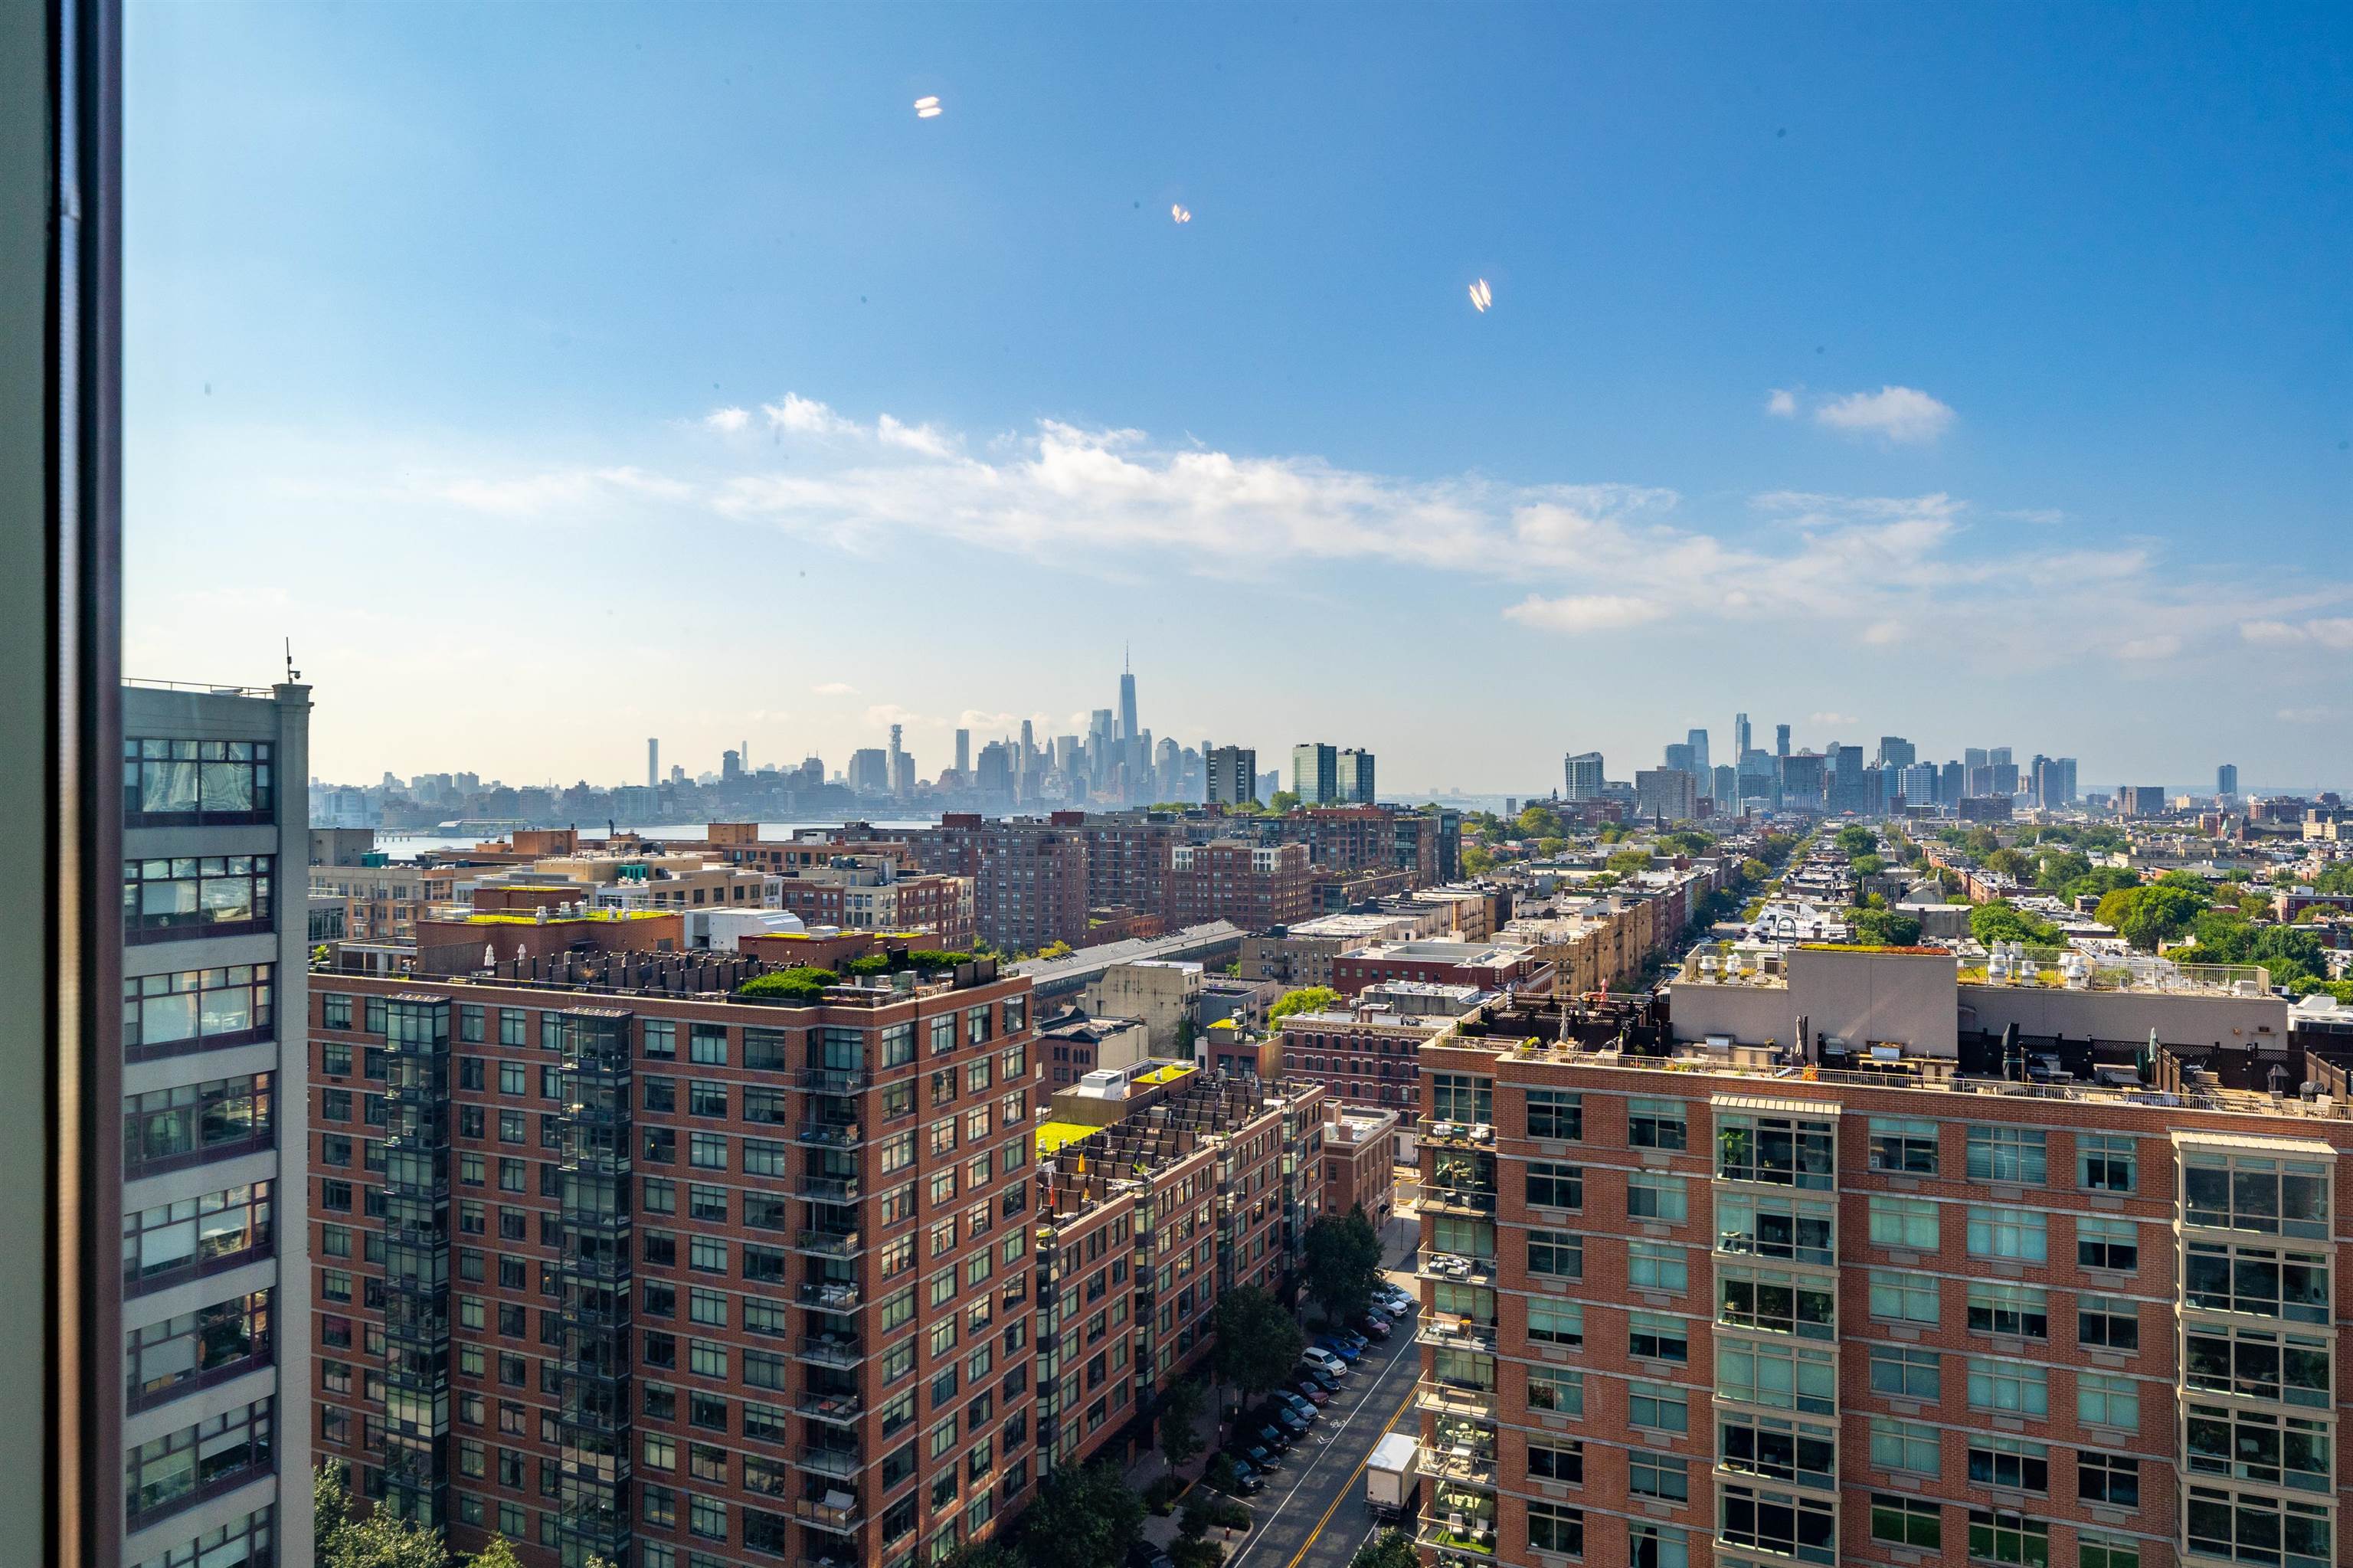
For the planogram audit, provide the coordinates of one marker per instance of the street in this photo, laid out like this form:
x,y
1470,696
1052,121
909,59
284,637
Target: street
x,y
1313,1512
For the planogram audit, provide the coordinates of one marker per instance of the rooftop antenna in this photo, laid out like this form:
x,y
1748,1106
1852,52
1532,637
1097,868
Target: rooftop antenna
x,y
293,674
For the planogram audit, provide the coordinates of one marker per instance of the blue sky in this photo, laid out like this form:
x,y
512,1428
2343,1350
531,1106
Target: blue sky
x,y
557,377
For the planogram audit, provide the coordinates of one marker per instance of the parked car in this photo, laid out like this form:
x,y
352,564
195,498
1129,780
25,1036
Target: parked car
x,y
1397,1304
1308,1389
1285,1399
1246,1476
1262,1456
1271,1435
1143,1555
1350,1336
1332,1345
1317,1359
1288,1418
1375,1325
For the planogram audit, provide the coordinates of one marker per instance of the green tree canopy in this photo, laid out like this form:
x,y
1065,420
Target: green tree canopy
x,y
1627,863
990,1554
1086,1517
1752,871
1343,1263
1180,1423
2002,921
800,983
1868,864
1884,928
2012,863
378,1541
1258,1341
2099,881
2147,916
1305,998
1539,821
1477,861
2337,878
1390,1549
1855,839
1282,800
1685,841
497,1553
2054,869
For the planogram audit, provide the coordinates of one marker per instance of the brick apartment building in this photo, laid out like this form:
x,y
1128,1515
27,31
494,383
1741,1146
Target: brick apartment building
x,y
1256,886
1934,1296
1360,1160
1490,966
608,1259
872,893
1186,1185
1368,1052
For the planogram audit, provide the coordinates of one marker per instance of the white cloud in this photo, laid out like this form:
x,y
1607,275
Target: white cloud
x,y
2332,632
802,415
1884,633
2305,716
1782,403
883,714
1585,612
727,422
920,438
1902,415
2163,645
835,689
1833,718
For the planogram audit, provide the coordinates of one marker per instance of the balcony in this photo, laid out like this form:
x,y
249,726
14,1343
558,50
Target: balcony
x,y
830,1244
835,1512
1458,1134
831,1295
1473,1541
839,1351
1450,1332
1455,1268
831,1134
1477,1202
833,1409
837,1080
1454,1399
828,1189
840,1462
1462,1463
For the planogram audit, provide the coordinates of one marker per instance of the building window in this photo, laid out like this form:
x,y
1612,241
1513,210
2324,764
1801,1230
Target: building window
x,y
1656,1123
1555,1392
2258,1281
2020,1312
1779,1151
1776,1303
1905,1446
1906,1522
2011,1463
2094,1549
1656,1546
1557,1114
2105,1400
1651,1336
2110,1479
2242,1191
194,895
2104,1162
1905,1373
2015,1235
169,782
1559,1255
1907,1222
165,1015
1903,1144
1653,1475
2011,1388
2247,1528
1461,1097
1780,1522
1658,1407
166,1471
2011,1154
1554,1186
2109,1244
2109,1323
1900,1296
2010,1539
1651,1196
1555,1528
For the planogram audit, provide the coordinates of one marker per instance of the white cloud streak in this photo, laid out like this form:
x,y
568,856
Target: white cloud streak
x,y
1902,416
2333,633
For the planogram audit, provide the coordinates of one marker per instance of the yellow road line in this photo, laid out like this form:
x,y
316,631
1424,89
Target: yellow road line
x,y
1349,1484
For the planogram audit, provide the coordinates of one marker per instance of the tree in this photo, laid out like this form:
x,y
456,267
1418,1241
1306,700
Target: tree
x,y
1855,839
378,1541
2002,921
1626,862
1180,1423
1868,865
2012,863
2146,916
2054,869
1884,928
1307,998
1752,871
496,1553
1390,1549
1258,1342
990,1554
1477,861
1539,822
1282,800
1343,1262
2099,881
331,1504
1083,1519
1055,949
799,983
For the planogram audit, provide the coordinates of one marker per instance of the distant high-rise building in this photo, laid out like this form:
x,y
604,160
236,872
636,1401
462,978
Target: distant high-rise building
x,y
2066,781
1916,784
1846,787
1584,779
2002,776
1801,780
730,765
1357,777
1315,773
2226,780
2141,799
1233,775
898,764
1739,736
1896,752
1665,794
653,762
1952,784
1701,769
869,769
995,775
2045,783
1780,740
1270,783
1679,759
1127,726
964,753
1727,786
1998,756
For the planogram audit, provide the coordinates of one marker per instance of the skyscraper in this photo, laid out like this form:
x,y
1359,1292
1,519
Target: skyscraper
x,y
1584,778
653,762
964,754
209,1310
1679,758
1896,752
1739,736
1315,773
2226,780
1697,740
1356,785
1127,726
1233,775
1780,740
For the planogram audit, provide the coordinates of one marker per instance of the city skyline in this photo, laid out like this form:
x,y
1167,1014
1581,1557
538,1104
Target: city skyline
x,y
611,309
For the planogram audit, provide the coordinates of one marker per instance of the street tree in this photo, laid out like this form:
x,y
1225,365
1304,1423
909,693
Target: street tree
x,y
1343,1263
1258,1341
1390,1549
1307,998
1180,1424
1086,1518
